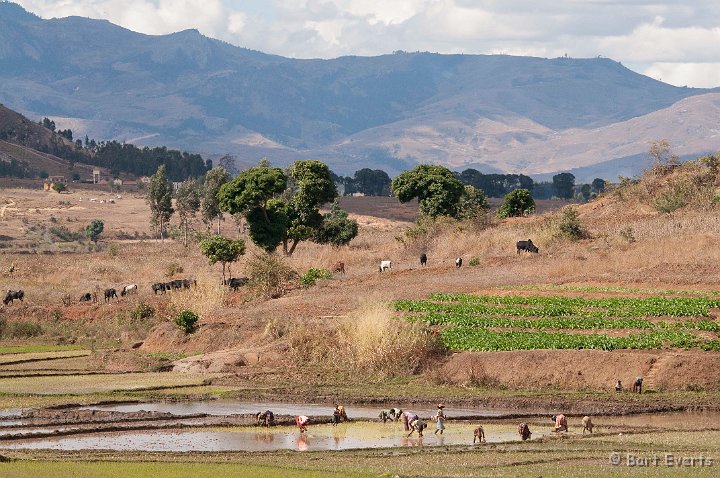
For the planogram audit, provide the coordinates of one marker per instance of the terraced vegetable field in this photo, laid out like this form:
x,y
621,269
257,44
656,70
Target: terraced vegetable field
x,y
515,322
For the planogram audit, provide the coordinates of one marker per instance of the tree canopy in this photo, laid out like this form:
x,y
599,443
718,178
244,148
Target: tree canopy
x,y
159,198
280,207
223,250
517,203
214,179
436,188
94,229
564,185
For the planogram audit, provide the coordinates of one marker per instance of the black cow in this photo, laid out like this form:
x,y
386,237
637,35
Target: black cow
x,y
423,259
177,284
526,246
168,286
86,297
12,295
235,283
187,283
109,294
158,287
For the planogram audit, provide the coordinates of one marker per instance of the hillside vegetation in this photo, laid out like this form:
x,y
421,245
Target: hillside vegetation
x,y
598,284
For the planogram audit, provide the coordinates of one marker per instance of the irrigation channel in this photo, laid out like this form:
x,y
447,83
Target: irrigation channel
x,y
230,426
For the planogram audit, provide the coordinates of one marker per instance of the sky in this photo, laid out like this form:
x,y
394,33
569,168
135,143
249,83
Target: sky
x,y
677,42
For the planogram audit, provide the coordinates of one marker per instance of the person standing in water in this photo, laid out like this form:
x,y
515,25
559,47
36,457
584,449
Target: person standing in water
x,y
440,419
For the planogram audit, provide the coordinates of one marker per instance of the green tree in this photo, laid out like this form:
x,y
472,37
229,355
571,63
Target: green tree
x,y
188,204
585,191
214,180
564,185
598,185
436,187
223,250
372,182
59,187
159,198
336,228
280,208
94,229
473,203
517,203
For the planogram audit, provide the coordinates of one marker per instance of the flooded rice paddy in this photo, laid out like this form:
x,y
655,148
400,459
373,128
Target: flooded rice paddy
x,y
229,407
225,426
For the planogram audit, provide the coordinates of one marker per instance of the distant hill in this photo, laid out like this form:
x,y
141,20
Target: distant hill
x,y
492,112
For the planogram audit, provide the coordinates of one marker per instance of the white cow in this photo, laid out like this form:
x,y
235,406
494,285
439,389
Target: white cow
x,y
385,265
129,289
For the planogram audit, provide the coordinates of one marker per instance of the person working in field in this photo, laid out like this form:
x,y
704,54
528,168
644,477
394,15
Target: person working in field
x,y
523,431
439,419
407,418
561,424
618,387
417,425
637,385
302,422
339,414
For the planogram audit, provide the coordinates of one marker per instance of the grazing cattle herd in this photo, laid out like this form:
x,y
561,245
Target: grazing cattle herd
x,y
234,283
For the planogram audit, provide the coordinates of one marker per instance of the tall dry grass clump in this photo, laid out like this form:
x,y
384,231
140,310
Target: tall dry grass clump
x,y
379,343
207,297
369,342
270,275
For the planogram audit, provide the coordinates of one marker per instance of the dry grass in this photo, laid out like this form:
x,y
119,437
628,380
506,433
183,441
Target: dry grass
x,y
370,342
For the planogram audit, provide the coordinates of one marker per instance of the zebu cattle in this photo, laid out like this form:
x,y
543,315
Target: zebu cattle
x,y
12,295
384,265
339,267
526,246
129,289
423,259
109,294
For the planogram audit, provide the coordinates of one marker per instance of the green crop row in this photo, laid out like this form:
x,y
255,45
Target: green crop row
x,y
477,339
599,307
632,290
571,323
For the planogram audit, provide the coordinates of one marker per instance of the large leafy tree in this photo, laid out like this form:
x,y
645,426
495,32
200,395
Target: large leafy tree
x,y
223,250
564,185
436,187
159,198
187,202
517,203
214,179
473,203
372,182
281,208
337,228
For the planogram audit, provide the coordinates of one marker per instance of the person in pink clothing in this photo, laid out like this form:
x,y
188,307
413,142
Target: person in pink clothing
x,y
407,418
560,423
302,422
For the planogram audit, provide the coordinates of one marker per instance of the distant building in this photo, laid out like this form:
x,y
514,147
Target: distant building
x,y
117,182
96,176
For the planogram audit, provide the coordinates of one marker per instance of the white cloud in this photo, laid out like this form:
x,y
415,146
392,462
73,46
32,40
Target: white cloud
x,y
681,40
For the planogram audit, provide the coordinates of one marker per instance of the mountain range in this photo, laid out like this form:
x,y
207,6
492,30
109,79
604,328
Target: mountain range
x,y
496,113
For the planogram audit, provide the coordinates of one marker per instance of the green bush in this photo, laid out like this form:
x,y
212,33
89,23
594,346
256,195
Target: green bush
x,y
517,203
570,226
270,276
187,320
141,311
312,275
475,261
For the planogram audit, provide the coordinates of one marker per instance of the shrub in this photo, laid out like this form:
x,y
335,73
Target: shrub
x,y
517,203
628,233
312,275
113,249
570,226
172,269
187,320
475,261
270,276
21,330
141,311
